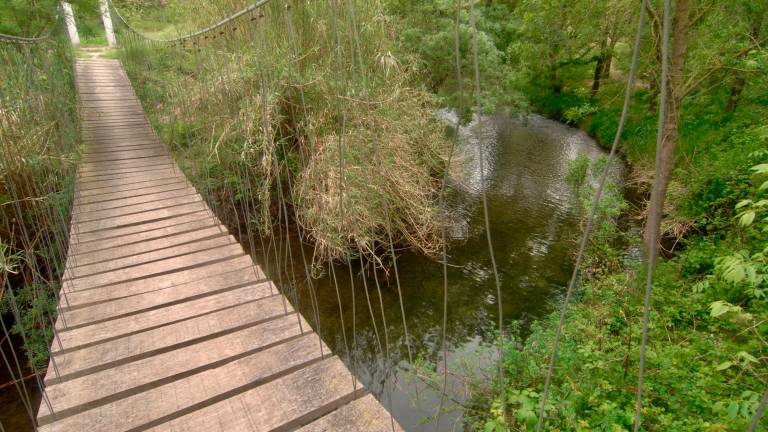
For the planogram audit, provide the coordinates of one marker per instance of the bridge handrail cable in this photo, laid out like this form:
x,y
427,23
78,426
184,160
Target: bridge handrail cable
x,y
197,33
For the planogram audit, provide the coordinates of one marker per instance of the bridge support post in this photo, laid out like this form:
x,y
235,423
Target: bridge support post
x,y
69,18
107,20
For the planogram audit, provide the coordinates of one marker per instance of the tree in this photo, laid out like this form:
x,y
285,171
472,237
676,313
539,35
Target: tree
x,y
555,34
702,48
756,17
614,21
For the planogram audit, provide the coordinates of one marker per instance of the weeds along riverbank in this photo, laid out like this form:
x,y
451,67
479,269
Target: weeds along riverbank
x,y
39,143
706,358
299,116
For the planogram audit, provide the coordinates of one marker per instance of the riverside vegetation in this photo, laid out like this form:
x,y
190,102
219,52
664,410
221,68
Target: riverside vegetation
x,y
313,95
296,116
707,343
39,147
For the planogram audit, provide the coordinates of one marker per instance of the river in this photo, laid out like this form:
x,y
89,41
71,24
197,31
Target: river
x,y
534,218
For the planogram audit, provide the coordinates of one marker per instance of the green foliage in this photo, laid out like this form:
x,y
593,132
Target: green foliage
x,y
708,318
27,17
88,21
35,306
705,343
430,33
577,171
604,253
264,122
38,143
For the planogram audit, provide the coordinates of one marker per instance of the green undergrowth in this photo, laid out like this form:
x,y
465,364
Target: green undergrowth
x,y
707,358
281,125
39,147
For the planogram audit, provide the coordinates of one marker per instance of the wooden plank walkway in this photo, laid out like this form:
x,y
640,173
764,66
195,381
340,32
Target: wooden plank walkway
x,y
165,323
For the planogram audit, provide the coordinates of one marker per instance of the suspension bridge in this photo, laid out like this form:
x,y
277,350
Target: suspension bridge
x,y
167,324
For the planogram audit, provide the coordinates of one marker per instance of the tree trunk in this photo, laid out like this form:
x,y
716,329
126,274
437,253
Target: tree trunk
x,y
654,81
736,89
599,71
554,80
741,79
680,31
600,63
608,60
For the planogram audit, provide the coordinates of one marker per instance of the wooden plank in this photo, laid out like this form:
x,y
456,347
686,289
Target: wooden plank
x,y
136,220
364,414
89,124
199,310
153,269
167,401
84,242
130,193
107,353
129,186
134,200
283,403
105,138
122,145
94,161
157,283
114,183
95,166
96,151
105,265
130,378
188,229
86,175
211,284
112,213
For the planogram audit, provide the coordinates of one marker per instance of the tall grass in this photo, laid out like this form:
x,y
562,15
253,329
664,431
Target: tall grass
x,y
38,143
299,115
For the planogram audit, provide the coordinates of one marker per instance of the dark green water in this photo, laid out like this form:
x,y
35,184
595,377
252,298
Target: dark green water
x,y
534,223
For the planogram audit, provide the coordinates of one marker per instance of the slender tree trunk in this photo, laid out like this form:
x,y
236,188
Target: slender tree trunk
x,y
741,79
603,63
599,66
554,80
653,80
606,72
736,89
680,31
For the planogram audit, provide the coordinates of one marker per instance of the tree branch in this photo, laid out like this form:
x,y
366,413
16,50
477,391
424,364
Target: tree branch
x,y
694,81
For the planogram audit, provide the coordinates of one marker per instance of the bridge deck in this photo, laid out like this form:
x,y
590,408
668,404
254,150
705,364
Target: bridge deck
x,y
165,323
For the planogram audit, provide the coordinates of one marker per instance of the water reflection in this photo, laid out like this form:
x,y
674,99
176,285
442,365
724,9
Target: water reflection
x,y
534,219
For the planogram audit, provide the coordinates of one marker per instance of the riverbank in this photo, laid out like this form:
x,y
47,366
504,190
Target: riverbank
x,y
706,346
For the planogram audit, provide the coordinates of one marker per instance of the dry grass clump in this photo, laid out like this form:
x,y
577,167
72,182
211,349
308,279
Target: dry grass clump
x,y
335,134
374,181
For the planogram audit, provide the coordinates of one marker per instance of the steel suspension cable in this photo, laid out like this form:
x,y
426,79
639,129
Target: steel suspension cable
x,y
201,32
541,418
759,412
655,213
11,39
486,219
442,208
